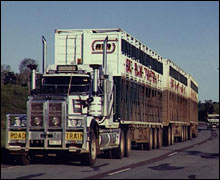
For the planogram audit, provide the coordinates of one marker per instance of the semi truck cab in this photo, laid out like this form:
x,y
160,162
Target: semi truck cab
x,y
212,121
72,111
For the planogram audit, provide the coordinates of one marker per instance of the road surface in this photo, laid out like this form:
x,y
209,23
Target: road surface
x,y
193,159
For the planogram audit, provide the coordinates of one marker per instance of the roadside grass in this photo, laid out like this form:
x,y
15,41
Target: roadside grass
x,y
13,100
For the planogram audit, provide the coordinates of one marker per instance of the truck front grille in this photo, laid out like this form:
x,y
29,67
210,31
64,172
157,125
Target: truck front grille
x,y
50,112
37,114
55,114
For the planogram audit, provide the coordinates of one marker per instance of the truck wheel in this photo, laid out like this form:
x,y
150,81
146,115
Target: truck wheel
x,y
119,152
182,135
89,159
127,144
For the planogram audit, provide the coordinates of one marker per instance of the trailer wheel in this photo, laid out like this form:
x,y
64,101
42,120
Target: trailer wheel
x,y
119,152
166,136
127,143
184,139
150,141
189,132
187,135
155,138
89,159
172,135
182,135
196,131
160,138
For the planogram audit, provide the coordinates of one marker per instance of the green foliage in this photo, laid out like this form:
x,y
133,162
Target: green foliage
x,y
208,107
13,100
216,107
23,67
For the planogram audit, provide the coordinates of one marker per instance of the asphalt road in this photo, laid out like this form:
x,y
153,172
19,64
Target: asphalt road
x,y
194,159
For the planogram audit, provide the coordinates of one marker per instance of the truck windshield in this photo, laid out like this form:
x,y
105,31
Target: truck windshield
x,y
213,117
61,84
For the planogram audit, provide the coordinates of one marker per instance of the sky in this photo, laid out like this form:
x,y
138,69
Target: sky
x,y
187,32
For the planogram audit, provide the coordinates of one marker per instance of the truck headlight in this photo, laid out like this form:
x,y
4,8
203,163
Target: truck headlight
x,y
37,121
23,121
55,121
17,121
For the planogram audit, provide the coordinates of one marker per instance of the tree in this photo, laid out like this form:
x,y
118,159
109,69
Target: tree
x,y
24,63
25,71
9,78
209,106
5,69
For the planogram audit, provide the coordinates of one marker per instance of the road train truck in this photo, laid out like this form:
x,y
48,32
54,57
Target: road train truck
x,y
104,94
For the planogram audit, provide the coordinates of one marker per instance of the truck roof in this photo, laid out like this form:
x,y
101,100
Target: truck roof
x,y
213,115
65,74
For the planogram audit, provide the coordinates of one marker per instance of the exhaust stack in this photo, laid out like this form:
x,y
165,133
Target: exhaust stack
x,y
95,68
44,54
33,68
105,55
105,103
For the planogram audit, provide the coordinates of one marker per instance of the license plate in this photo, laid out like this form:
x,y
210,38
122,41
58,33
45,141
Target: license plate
x,y
55,142
17,135
74,136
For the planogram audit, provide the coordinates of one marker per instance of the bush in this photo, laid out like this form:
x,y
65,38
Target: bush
x,y
13,100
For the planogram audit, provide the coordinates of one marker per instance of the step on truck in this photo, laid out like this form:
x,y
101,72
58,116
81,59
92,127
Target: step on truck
x,y
106,93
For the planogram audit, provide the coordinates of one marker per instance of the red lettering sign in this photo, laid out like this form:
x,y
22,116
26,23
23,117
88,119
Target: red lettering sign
x,y
172,83
153,77
181,89
136,69
128,66
177,86
140,71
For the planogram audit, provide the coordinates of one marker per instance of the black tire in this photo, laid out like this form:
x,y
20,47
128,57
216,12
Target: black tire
x,y
89,159
127,144
119,152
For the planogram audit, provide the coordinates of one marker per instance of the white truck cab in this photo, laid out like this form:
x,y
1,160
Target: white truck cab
x,y
212,121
